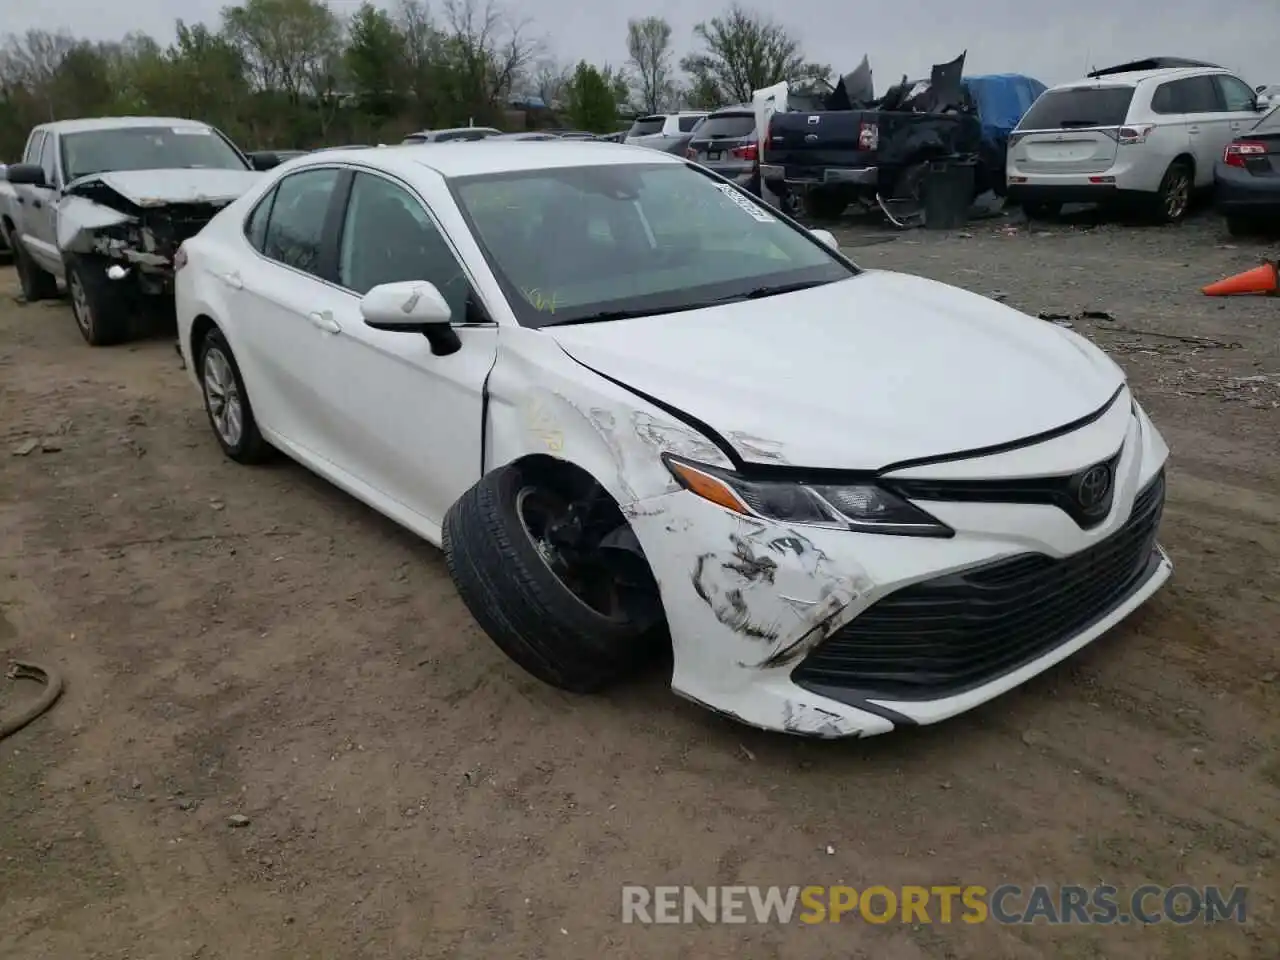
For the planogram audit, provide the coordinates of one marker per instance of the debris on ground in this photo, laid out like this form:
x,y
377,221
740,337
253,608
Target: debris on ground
x,y
237,820
26,447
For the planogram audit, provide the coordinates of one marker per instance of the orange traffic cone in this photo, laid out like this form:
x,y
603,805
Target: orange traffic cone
x,y
1261,279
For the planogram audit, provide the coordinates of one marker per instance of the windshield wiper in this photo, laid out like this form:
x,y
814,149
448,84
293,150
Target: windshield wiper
x,y
773,291
604,316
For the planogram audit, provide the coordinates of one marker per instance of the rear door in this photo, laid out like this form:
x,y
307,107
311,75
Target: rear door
x,y
1071,130
1208,123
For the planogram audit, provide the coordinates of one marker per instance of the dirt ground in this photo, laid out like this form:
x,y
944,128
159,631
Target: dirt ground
x,y
254,642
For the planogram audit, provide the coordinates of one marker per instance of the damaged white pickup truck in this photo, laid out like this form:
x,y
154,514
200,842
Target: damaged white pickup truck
x,y
102,204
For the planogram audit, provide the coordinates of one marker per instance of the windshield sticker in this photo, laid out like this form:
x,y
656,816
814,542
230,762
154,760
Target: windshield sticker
x,y
542,302
193,131
755,212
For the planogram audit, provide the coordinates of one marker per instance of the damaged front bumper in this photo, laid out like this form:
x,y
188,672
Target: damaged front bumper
x,y
831,633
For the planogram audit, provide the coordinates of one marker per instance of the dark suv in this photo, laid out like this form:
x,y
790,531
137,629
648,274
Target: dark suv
x,y
726,142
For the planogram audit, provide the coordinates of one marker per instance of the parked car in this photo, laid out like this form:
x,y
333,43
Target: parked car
x,y
664,131
525,135
1147,133
6,251
1247,178
453,133
635,407
727,142
103,204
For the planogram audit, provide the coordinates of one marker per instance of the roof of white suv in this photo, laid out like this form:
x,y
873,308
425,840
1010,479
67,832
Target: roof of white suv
x,y
1138,76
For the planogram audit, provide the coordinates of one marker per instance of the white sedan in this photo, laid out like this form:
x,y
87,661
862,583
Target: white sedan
x,y
638,408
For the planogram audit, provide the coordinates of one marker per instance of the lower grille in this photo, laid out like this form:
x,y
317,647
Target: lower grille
x,y
950,634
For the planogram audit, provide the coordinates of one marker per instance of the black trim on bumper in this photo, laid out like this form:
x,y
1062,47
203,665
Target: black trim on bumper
x,y
954,633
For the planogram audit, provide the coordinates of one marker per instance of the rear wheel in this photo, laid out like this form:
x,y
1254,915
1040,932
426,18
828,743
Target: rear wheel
x,y
227,402
549,568
37,284
1242,226
1173,198
1041,210
826,204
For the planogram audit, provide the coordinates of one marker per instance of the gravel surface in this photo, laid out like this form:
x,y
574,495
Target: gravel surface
x,y
283,736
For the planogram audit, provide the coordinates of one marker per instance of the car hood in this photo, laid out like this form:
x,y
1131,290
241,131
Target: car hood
x,y
860,374
151,188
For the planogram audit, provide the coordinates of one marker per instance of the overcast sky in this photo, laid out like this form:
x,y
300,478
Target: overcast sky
x,y
1052,40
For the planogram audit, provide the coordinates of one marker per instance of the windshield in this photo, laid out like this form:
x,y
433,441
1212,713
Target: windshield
x,y
147,148
647,126
1078,107
575,244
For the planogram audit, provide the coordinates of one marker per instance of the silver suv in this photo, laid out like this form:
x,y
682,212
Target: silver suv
x,y
1148,131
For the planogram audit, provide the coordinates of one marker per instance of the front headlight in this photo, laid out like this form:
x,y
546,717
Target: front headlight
x,y
863,507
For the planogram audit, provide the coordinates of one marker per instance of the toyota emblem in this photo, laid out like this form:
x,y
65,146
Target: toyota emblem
x,y
1094,487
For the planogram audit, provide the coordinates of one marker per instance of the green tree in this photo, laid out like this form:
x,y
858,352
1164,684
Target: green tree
x,y
649,47
592,105
375,62
743,52
288,45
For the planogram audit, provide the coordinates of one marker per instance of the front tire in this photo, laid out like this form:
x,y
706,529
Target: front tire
x,y
100,305
227,402
508,576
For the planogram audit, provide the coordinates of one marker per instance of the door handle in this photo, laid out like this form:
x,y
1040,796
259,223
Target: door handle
x,y
37,204
232,280
323,320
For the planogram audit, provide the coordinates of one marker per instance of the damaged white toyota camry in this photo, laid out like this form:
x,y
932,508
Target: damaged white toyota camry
x,y
634,406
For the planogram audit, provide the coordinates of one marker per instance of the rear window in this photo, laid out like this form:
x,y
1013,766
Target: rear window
x,y
726,125
1078,107
646,126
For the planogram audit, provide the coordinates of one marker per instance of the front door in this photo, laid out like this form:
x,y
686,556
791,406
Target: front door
x,y
409,421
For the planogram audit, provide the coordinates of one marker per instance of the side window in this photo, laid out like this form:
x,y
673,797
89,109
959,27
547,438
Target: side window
x,y
49,159
688,123
1198,95
1166,100
255,228
1236,94
32,153
295,228
387,236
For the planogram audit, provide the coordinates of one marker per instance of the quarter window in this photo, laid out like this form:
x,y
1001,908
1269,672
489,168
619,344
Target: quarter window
x,y
255,228
388,237
1236,94
295,228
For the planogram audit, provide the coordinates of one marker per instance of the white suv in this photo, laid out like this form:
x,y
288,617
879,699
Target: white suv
x,y
1147,131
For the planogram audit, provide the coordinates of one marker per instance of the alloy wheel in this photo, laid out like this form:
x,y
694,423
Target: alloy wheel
x,y
222,397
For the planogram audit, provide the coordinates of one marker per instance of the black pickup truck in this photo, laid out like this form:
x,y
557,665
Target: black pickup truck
x,y
872,154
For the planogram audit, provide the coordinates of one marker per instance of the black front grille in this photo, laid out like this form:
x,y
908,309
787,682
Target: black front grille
x,y
950,634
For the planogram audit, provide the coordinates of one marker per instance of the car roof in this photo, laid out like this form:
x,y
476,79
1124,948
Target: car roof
x,y
480,157
116,123
1135,77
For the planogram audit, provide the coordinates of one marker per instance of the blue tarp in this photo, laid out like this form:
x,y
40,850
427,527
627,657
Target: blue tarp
x,y
1002,99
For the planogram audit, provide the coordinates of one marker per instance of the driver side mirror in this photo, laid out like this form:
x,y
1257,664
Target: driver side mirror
x,y
30,174
412,306
826,238
264,160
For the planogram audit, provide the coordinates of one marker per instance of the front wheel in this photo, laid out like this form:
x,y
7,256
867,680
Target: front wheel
x,y
37,283
99,304
543,587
